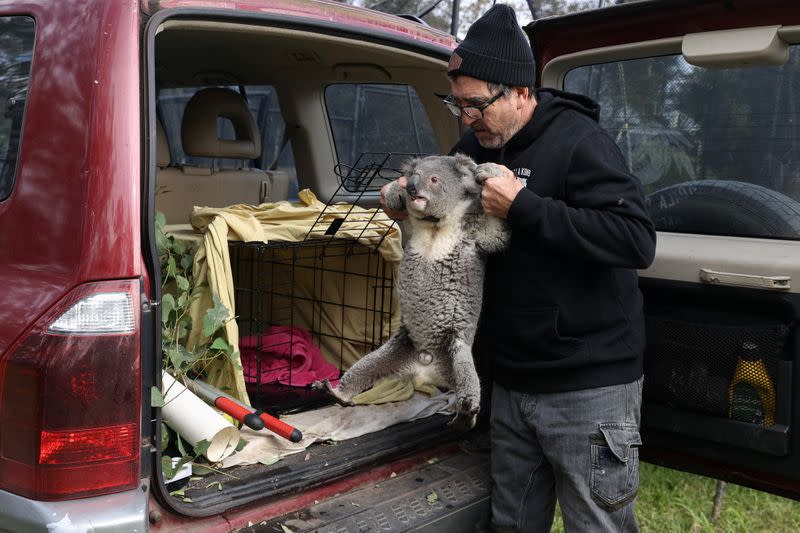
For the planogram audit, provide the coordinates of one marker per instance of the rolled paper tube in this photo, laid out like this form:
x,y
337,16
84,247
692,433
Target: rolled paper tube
x,y
194,420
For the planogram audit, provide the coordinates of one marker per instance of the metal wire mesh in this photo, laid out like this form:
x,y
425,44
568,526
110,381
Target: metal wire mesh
x,y
720,370
332,292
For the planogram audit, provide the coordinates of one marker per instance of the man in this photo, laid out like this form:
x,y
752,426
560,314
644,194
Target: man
x,y
562,321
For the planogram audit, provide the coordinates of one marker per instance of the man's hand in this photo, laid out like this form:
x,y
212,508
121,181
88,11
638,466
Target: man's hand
x,y
499,192
395,215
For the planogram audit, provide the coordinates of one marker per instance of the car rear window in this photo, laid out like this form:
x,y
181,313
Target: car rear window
x,y
383,118
717,150
16,50
263,103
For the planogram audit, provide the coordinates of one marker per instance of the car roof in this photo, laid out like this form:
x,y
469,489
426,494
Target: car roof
x,y
317,12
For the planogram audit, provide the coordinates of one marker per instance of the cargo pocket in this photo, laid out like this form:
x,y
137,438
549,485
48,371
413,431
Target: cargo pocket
x,y
615,465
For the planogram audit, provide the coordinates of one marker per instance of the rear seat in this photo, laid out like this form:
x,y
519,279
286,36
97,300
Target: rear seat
x,y
180,188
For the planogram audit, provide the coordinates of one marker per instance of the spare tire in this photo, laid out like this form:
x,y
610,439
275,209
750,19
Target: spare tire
x,y
719,207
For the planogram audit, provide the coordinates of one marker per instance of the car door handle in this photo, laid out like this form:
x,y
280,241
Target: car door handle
x,y
780,283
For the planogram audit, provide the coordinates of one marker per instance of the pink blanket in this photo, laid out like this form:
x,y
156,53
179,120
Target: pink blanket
x,y
287,355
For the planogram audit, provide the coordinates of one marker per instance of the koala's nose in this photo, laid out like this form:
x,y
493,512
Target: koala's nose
x,y
411,186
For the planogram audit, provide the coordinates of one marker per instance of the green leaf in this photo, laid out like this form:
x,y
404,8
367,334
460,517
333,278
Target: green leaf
x,y
161,221
183,300
171,268
181,448
215,317
186,262
179,247
167,468
167,307
162,245
183,283
182,330
156,399
432,497
201,447
177,357
220,344
164,435
241,445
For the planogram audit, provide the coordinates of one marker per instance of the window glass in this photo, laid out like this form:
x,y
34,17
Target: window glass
x,y
16,50
378,119
717,150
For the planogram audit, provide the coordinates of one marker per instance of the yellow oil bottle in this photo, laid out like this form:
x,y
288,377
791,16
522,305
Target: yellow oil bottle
x,y
751,393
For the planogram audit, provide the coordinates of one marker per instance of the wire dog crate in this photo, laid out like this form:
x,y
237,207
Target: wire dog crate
x,y
309,309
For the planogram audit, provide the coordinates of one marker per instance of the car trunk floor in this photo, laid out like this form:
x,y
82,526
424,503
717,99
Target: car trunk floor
x,y
450,494
320,462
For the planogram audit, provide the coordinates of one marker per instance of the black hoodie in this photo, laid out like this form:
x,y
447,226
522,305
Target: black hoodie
x,y
562,308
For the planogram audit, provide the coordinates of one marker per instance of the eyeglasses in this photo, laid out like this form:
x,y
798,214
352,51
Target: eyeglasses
x,y
475,112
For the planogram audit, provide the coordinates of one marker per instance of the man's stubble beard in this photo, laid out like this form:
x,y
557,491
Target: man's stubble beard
x,y
498,140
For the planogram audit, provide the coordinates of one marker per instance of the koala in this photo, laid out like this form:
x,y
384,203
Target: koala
x,y
440,282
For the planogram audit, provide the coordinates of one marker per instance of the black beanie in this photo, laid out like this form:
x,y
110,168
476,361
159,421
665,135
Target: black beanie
x,y
495,50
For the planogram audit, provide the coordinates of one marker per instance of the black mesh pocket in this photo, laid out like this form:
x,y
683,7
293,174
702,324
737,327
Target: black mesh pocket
x,y
721,370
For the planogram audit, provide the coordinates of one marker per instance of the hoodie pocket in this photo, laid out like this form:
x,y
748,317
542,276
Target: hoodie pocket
x,y
532,334
614,477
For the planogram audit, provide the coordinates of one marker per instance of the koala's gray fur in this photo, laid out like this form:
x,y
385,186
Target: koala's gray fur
x,y
440,285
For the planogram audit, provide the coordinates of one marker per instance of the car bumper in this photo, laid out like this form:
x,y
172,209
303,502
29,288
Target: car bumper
x,y
124,512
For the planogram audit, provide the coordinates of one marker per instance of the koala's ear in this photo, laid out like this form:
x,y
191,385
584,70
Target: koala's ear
x,y
466,167
409,165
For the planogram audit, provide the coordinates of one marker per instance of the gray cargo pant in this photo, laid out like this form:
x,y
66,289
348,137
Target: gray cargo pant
x,y
578,446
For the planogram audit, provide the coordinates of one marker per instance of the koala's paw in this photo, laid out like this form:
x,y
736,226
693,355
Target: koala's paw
x,y
486,171
394,197
467,409
462,422
325,386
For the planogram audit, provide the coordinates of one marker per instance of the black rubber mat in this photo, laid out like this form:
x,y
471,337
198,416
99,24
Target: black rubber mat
x,y
447,495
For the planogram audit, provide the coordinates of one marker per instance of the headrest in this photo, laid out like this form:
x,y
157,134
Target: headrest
x,y
199,126
162,147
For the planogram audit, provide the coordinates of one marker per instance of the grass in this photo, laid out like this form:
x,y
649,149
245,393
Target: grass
x,y
675,502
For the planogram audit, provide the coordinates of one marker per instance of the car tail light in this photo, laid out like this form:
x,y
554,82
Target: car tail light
x,y
70,394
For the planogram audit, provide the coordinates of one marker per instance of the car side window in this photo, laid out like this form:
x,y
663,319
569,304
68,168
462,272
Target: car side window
x,y
717,150
367,117
16,51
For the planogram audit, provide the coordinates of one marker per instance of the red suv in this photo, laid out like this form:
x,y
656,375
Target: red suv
x,y
128,128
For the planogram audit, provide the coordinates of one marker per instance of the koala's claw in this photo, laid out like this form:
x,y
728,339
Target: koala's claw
x,y
463,421
326,386
466,415
486,171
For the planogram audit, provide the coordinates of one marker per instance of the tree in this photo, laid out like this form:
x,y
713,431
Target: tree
x,y
436,13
